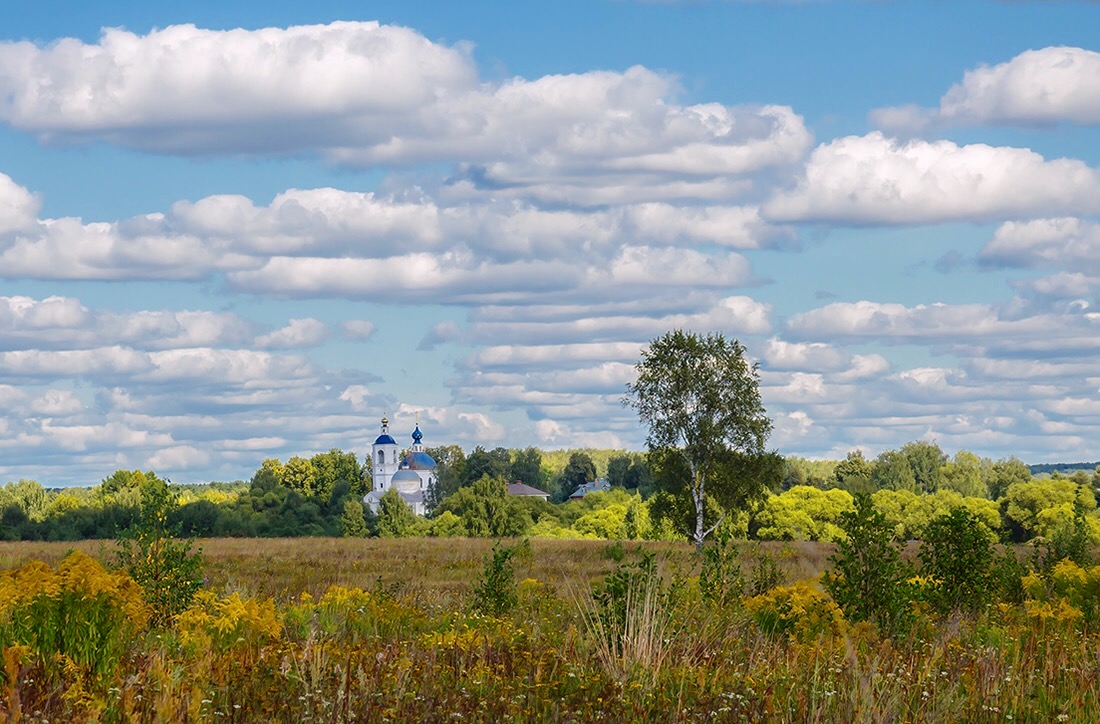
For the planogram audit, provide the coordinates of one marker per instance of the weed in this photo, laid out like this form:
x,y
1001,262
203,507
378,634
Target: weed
x,y
495,593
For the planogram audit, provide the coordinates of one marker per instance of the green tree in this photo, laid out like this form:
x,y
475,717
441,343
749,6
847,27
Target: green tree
x,y
699,397
957,552
526,467
30,496
579,471
1043,506
332,467
487,510
618,467
166,568
927,460
450,469
963,474
353,524
486,463
868,578
853,473
804,513
395,517
893,471
299,475
1004,473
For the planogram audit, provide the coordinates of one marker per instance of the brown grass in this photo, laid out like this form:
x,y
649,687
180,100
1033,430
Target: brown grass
x,y
283,568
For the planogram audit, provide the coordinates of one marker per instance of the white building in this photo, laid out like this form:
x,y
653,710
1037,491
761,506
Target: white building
x,y
409,475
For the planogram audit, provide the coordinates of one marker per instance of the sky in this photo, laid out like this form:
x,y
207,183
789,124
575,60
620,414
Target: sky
x,y
235,231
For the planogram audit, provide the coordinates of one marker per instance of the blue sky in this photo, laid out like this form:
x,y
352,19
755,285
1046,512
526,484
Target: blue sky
x,y
238,231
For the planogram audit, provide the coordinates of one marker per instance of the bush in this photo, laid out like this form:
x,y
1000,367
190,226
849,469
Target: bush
x,y
957,552
798,611
78,613
495,593
869,579
164,566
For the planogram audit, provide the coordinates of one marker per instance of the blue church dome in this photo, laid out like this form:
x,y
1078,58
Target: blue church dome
x,y
419,461
385,439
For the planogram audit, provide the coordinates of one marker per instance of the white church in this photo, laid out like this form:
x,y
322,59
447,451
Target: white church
x,y
409,475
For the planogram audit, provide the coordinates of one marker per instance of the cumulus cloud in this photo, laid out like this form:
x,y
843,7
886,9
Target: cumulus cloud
x,y
18,207
358,329
1037,87
874,179
186,89
363,93
440,333
1066,243
64,322
298,333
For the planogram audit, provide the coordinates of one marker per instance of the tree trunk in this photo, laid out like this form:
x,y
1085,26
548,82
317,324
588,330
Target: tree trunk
x,y
699,495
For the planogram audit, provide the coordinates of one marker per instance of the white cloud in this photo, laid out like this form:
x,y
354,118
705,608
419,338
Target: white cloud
x,y
18,207
176,458
368,94
441,333
186,89
1066,243
873,179
298,333
358,329
1036,87
28,323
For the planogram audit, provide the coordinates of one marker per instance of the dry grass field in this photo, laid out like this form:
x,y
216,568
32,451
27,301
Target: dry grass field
x,y
342,630
284,568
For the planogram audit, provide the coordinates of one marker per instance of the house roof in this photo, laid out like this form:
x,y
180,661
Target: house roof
x,y
524,489
590,487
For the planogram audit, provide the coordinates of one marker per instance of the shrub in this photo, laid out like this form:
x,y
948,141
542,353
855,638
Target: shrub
x,y
495,593
78,613
868,579
164,566
799,611
720,578
957,552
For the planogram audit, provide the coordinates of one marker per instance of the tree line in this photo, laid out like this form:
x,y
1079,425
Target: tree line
x,y
801,500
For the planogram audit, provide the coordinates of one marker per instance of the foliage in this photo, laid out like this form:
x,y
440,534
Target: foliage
x,y
577,472
408,648
963,474
720,578
957,553
798,611
926,460
700,400
893,471
77,620
803,513
910,514
868,579
1040,507
395,517
488,511
353,524
526,467
495,593
166,568
853,473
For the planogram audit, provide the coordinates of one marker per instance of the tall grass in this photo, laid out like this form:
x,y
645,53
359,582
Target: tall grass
x,y
347,646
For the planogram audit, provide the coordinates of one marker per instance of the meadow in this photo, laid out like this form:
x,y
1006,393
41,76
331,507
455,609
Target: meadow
x,y
552,630
452,629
